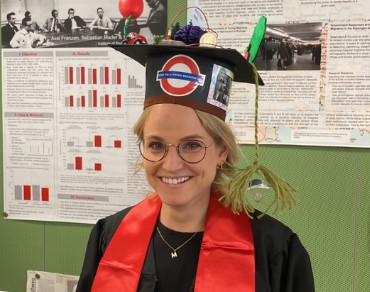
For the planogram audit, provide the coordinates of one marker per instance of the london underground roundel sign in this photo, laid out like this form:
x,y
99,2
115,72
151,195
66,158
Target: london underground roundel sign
x,y
180,76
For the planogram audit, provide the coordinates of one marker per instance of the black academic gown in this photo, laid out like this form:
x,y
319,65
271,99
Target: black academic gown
x,y
282,263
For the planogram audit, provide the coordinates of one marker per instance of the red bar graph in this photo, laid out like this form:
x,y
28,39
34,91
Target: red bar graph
x,y
26,192
106,100
117,143
119,80
119,100
82,75
106,75
83,101
89,75
95,76
78,161
98,167
70,75
95,98
45,194
97,141
71,100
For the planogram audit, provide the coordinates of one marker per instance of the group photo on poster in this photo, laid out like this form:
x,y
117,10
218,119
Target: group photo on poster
x,y
79,24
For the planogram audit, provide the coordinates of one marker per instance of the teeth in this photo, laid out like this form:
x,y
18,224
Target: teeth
x,y
175,181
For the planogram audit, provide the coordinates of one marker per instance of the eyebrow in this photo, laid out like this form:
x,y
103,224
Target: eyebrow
x,y
186,138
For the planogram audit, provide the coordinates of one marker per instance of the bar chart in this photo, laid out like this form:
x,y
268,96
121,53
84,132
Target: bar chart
x,y
40,147
78,163
95,141
31,193
86,75
93,100
132,83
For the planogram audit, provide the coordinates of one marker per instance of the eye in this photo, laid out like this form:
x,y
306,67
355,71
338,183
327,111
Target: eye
x,y
191,146
155,146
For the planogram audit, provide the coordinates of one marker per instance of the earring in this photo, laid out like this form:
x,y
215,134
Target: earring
x,y
221,165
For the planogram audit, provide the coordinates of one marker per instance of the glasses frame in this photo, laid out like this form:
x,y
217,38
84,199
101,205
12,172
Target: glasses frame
x,y
177,150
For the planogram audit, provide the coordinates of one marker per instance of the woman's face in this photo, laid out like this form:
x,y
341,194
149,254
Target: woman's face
x,y
178,183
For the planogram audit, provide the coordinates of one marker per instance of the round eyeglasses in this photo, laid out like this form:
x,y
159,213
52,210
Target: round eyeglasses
x,y
191,151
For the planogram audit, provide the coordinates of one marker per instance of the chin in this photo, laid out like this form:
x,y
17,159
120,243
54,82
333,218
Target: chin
x,y
174,199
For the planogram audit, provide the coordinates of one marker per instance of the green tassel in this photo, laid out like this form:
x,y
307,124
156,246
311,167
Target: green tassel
x,y
237,197
238,200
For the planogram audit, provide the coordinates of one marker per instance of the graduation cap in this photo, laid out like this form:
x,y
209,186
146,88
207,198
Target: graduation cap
x,y
196,76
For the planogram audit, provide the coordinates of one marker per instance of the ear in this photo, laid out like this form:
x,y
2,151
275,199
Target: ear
x,y
224,152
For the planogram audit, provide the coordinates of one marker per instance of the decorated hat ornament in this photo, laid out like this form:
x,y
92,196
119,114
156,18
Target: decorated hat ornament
x,y
251,51
246,179
189,68
256,186
189,34
130,9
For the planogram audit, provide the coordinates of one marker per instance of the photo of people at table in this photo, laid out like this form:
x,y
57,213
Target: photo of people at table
x,y
82,24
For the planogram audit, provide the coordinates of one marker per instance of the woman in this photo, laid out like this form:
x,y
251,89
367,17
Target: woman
x,y
185,236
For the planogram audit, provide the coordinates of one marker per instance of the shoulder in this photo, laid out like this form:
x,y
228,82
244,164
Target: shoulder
x,y
161,8
282,262
270,234
109,224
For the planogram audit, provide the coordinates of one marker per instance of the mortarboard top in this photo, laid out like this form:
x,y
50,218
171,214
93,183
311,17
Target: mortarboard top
x,y
199,77
243,71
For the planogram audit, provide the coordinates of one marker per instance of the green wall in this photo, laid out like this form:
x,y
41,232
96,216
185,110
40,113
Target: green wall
x,y
332,218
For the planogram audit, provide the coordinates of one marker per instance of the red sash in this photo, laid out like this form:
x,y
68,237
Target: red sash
x,y
226,261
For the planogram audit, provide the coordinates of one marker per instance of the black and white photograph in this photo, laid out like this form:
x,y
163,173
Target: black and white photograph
x,y
51,24
290,47
222,88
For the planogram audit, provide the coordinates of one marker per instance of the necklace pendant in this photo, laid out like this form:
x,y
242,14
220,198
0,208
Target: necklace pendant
x,y
174,254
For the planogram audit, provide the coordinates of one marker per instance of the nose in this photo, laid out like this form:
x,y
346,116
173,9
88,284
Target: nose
x,y
172,161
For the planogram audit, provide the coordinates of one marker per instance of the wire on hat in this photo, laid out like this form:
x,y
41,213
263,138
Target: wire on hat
x,y
169,29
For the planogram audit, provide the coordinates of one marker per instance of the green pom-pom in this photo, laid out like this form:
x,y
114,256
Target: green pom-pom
x,y
237,197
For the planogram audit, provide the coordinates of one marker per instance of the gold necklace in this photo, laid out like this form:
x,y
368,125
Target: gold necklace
x,y
174,254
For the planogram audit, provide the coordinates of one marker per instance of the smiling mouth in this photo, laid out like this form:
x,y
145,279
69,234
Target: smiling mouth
x,y
175,181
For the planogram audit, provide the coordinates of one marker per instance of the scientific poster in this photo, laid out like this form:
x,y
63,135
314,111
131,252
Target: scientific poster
x,y
69,101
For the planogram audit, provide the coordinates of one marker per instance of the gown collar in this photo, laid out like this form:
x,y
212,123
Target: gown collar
x,y
226,260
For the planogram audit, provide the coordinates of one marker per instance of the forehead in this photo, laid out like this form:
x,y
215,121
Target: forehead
x,y
173,122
